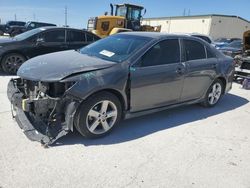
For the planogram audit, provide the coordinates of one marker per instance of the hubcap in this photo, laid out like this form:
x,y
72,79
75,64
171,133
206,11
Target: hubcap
x,y
12,63
101,117
214,94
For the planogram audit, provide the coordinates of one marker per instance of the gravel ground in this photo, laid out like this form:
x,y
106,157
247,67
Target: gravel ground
x,y
184,147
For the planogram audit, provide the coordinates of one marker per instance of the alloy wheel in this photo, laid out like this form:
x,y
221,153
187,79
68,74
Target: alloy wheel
x,y
101,117
12,63
215,93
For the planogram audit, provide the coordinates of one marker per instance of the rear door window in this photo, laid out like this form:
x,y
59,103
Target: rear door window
x,y
90,37
210,54
76,36
194,50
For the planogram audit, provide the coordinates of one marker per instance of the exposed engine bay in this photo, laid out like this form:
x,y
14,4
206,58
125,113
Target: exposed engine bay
x,y
43,98
46,104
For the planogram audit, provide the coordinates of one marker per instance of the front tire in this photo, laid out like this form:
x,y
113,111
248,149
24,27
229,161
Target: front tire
x,y
98,115
12,62
213,94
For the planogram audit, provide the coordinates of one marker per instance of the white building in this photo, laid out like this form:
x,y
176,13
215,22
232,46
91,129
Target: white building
x,y
213,25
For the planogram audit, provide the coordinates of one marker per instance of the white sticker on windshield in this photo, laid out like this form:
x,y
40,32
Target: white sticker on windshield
x,y
107,53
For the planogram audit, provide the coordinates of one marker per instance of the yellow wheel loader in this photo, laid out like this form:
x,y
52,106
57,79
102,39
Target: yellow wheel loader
x,y
126,17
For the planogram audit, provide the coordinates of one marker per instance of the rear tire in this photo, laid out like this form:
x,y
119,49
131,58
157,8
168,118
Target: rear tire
x,y
213,94
11,62
98,115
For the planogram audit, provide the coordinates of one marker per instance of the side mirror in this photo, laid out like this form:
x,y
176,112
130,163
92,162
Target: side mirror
x,y
39,41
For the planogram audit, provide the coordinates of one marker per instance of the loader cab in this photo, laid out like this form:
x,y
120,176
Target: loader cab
x,y
132,15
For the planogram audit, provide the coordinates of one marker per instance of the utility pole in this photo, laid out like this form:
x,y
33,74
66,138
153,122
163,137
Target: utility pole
x,y
184,12
15,17
66,16
34,17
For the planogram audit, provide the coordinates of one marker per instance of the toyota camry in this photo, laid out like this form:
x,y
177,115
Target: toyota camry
x,y
118,77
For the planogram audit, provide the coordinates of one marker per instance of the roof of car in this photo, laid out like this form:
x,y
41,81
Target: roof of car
x,y
153,34
56,27
41,22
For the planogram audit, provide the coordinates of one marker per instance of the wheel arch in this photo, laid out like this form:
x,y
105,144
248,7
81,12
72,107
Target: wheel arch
x,y
13,52
224,81
115,92
118,95
10,52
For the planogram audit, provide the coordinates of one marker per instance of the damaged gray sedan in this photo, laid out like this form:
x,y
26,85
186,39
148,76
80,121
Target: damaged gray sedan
x,y
119,77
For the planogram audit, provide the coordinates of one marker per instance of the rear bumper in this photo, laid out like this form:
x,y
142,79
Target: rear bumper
x,y
33,126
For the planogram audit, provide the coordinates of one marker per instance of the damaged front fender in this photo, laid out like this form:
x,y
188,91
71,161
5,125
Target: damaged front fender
x,y
88,83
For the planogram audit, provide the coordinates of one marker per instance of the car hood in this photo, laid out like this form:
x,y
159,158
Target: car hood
x,y
57,66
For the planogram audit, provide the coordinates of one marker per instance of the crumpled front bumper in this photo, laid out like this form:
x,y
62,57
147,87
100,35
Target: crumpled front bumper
x,y
33,127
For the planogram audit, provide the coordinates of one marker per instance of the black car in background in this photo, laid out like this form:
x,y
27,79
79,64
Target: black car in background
x,y
5,28
16,30
14,51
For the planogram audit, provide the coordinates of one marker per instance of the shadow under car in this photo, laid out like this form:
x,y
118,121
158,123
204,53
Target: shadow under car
x,y
145,125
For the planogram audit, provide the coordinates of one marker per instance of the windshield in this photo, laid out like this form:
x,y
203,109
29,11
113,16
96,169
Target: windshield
x,y
235,44
116,48
27,34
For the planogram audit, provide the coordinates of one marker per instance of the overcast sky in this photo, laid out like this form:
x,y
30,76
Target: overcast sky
x,y
80,10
